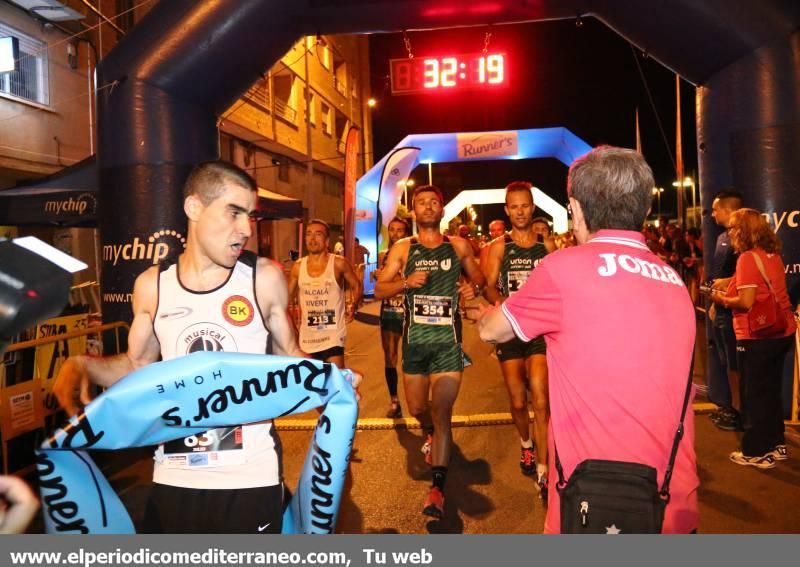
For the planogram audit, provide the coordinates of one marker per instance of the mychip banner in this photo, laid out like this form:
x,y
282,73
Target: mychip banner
x,y
187,396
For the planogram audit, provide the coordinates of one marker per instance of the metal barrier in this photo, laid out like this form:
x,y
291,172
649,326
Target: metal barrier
x,y
25,404
794,415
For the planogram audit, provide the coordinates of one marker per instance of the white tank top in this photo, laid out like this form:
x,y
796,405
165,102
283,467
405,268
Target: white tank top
x,y
223,319
322,324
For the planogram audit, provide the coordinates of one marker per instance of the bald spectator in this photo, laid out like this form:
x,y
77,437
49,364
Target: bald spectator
x,y
497,228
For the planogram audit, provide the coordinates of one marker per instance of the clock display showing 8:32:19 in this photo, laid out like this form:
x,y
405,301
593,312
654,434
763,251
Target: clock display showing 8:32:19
x,y
447,73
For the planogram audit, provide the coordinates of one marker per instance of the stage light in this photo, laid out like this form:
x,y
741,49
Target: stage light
x,y
371,102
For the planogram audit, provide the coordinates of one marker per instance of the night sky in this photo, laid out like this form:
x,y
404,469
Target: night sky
x,y
583,78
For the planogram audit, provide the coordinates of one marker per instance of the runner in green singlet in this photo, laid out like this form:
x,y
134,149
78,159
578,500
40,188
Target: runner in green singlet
x,y
524,365
392,312
431,265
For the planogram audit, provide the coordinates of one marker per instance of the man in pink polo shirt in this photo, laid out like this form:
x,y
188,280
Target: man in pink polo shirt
x,y
616,392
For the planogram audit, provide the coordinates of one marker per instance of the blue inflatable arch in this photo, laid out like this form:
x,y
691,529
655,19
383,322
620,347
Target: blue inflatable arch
x,y
378,191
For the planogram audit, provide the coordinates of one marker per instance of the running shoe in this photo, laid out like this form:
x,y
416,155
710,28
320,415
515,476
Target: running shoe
x,y
434,504
527,461
427,449
541,486
394,411
763,462
779,453
729,421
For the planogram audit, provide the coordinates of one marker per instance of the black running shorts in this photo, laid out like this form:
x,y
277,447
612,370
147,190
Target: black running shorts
x,y
177,510
515,349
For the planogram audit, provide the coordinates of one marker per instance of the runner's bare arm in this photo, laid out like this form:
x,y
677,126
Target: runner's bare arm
x,y
493,325
377,271
294,276
78,372
343,266
388,285
494,261
273,298
468,263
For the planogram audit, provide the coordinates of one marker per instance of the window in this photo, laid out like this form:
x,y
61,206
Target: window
x,y
332,186
324,53
30,80
283,164
327,122
340,76
311,110
342,126
283,87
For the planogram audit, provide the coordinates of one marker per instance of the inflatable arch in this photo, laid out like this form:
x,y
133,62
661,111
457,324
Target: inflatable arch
x,y
379,189
157,108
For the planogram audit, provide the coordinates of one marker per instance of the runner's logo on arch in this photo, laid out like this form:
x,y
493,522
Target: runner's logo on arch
x,y
237,310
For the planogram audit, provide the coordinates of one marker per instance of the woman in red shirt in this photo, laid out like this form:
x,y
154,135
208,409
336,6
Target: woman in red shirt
x,y
760,359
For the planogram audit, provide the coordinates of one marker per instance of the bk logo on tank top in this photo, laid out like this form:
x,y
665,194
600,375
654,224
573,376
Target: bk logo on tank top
x,y
237,310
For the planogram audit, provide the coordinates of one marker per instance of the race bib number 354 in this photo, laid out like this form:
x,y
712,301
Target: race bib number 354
x,y
433,310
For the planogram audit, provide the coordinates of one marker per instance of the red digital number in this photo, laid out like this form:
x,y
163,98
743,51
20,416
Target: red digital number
x,y
431,73
402,75
449,70
495,67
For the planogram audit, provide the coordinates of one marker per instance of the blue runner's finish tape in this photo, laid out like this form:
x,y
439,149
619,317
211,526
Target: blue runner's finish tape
x,y
187,396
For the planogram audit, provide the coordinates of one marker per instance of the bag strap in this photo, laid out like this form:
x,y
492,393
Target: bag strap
x,y
760,266
664,491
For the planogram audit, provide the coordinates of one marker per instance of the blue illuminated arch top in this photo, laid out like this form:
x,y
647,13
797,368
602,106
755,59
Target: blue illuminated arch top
x,y
378,190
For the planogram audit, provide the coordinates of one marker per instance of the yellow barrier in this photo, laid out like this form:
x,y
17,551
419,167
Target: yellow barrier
x,y
477,420
25,404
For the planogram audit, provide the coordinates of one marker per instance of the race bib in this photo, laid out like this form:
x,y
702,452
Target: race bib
x,y
394,304
515,280
320,320
433,310
214,448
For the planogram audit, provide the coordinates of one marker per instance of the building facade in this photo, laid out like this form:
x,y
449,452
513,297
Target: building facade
x,y
287,130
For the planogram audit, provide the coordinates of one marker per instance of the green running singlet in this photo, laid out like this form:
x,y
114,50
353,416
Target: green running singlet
x,y
431,311
517,264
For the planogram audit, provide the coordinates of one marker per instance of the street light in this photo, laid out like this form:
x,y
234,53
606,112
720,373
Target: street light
x,y
406,185
657,192
687,182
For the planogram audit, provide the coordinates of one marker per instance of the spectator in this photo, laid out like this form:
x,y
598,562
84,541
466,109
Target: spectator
x,y
723,339
497,228
591,303
760,359
338,248
542,226
691,257
361,258
464,232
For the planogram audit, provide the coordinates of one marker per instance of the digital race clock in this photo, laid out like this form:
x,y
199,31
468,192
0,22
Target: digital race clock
x,y
455,72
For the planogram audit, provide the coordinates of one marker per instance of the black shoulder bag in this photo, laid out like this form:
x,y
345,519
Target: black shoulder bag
x,y
613,497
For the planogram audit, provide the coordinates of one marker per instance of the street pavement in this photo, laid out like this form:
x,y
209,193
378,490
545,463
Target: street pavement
x,y
486,493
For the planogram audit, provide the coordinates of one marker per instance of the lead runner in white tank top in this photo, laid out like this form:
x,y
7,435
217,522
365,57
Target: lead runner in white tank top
x,y
322,308
223,319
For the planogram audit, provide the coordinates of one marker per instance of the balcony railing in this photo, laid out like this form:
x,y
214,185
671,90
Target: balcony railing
x,y
258,95
285,111
339,86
